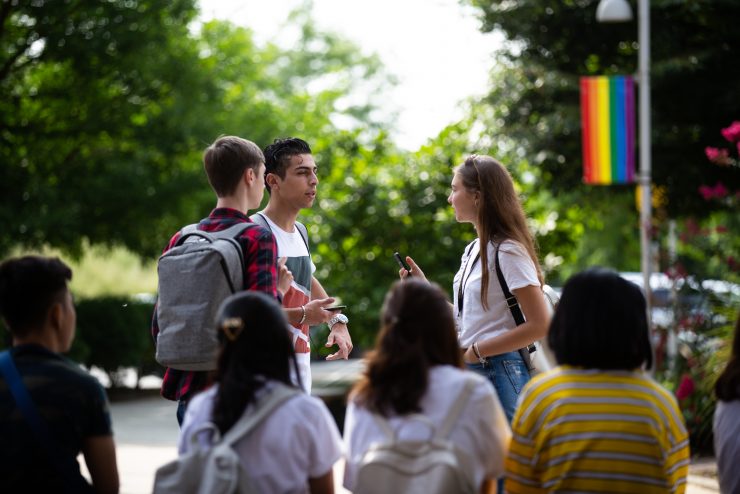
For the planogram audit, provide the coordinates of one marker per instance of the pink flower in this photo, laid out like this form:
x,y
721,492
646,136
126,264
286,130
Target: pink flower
x,y
716,155
721,229
685,388
718,191
706,192
732,133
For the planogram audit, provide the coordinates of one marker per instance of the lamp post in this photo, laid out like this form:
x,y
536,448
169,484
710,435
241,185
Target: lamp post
x,y
620,11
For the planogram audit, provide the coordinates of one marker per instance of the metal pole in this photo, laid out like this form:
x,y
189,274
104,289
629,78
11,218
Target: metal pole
x,y
643,38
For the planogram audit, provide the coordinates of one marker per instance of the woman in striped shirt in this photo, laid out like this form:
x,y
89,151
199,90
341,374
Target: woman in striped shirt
x,y
597,422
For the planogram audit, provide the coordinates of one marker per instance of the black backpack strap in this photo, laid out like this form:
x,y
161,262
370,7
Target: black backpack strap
x,y
511,300
516,311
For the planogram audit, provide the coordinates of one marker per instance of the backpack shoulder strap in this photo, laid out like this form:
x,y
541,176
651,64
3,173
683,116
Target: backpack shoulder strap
x,y
384,426
457,407
264,407
511,300
233,231
304,234
260,219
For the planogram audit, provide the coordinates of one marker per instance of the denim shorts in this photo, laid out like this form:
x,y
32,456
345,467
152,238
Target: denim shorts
x,y
508,374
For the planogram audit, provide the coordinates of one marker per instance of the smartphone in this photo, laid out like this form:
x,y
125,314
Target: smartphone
x,y
334,308
402,262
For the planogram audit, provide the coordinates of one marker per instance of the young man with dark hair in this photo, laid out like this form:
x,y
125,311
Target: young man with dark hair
x,y
37,308
235,168
291,180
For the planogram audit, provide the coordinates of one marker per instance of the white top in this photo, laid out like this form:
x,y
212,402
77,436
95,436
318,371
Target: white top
x,y
292,246
474,323
298,441
482,429
727,444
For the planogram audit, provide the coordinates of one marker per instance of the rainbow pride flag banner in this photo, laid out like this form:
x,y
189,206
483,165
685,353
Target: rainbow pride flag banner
x,y
608,123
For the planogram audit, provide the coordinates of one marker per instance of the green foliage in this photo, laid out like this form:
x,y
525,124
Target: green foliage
x,y
112,334
106,108
91,119
553,43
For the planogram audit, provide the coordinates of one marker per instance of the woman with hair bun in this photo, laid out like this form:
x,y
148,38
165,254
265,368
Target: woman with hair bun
x,y
294,449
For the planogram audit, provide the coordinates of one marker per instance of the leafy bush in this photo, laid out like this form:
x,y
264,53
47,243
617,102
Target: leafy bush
x,y
113,333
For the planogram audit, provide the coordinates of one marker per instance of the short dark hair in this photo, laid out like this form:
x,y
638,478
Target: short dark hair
x,y
417,332
601,323
278,154
29,286
226,160
260,347
727,387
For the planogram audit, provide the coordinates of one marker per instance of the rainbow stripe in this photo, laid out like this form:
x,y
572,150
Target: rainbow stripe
x,y
608,122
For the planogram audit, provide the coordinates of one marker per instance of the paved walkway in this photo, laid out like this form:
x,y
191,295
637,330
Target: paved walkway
x,y
146,438
146,434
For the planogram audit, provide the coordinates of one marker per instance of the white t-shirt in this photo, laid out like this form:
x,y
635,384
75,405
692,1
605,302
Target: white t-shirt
x,y
482,430
298,441
474,323
292,246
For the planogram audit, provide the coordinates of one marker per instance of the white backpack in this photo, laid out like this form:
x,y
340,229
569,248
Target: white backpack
x,y
434,466
218,470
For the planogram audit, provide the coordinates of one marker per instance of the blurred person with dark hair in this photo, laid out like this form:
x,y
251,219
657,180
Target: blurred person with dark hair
x,y
294,449
291,178
416,368
37,308
597,422
727,419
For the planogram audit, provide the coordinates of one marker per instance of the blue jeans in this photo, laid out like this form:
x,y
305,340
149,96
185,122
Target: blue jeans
x,y
508,374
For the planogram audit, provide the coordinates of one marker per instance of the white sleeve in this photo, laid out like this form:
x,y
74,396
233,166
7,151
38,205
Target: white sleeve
x,y
319,439
516,266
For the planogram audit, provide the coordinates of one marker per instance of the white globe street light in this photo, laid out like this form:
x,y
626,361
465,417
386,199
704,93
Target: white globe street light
x,y
614,11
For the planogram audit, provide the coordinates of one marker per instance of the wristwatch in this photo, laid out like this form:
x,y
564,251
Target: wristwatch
x,y
338,318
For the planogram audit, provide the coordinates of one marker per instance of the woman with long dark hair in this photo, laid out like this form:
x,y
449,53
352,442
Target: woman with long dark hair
x,y
415,369
295,447
727,420
483,194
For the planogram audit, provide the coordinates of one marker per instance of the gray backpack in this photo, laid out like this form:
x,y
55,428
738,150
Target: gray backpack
x,y
198,273
418,467
218,469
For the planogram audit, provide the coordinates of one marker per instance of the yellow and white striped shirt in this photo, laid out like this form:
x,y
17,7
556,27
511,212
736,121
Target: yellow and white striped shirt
x,y
588,430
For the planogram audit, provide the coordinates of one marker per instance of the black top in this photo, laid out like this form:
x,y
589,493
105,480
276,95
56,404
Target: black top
x,y
71,402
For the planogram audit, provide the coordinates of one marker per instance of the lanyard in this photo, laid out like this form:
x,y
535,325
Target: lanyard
x,y
464,280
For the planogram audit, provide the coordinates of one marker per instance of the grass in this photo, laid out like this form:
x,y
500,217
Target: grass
x,y
106,271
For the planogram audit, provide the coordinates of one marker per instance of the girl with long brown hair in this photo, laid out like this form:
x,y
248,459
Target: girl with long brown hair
x,y
483,194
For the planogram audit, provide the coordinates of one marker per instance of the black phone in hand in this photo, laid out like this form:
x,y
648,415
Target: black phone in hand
x,y
402,262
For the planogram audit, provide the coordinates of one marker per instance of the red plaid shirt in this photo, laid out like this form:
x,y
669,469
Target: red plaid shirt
x,y
260,264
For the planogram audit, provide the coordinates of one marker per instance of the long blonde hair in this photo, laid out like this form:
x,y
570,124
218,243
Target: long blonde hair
x,y
500,213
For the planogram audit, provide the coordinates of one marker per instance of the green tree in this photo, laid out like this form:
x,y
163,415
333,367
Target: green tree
x,y
94,120
106,107
693,81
